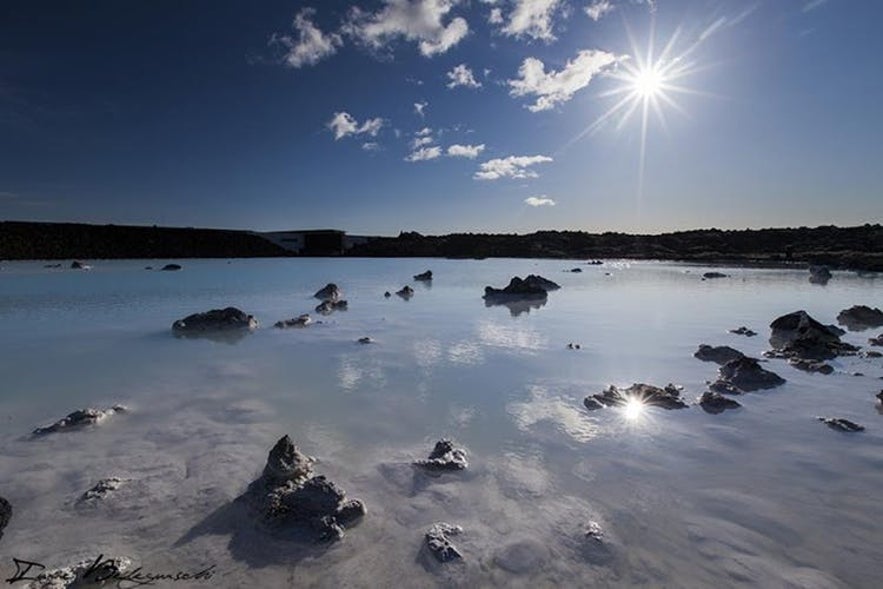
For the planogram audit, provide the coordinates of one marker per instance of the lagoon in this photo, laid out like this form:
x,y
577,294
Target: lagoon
x,y
761,496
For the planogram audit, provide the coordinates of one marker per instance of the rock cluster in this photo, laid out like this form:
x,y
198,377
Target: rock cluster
x,y
445,456
717,354
841,424
876,341
425,276
439,543
667,398
79,419
102,489
742,330
299,321
713,402
533,286
288,492
860,317
797,335
744,375
329,306
230,318
406,292
329,292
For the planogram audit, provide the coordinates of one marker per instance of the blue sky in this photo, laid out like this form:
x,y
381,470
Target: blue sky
x,y
443,115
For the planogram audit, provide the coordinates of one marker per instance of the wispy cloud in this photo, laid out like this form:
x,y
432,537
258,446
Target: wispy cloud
x,y
598,9
553,88
461,75
467,151
420,108
424,153
510,167
311,44
423,132
539,201
343,124
813,4
533,19
371,146
421,141
422,21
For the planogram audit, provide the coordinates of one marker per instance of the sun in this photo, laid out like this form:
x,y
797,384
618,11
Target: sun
x,y
648,82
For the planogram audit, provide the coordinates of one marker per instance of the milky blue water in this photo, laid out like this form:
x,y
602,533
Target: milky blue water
x,y
762,496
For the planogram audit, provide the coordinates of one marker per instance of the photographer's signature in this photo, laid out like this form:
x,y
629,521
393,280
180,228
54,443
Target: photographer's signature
x,y
104,570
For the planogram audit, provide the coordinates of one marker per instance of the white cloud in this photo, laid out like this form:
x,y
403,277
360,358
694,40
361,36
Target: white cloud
x,y
420,142
424,154
419,108
311,46
467,151
553,88
539,201
813,4
423,132
510,167
599,8
415,20
462,76
532,18
496,16
371,146
344,124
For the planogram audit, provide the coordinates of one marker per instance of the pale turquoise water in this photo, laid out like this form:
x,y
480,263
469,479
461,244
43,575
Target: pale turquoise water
x,y
761,496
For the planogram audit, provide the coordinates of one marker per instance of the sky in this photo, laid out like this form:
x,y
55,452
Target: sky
x,y
443,116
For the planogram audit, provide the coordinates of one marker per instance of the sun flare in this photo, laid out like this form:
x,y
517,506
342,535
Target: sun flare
x,y
633,409
648,82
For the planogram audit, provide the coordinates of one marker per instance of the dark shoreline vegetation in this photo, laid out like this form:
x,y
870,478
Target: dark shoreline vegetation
x,y
852,248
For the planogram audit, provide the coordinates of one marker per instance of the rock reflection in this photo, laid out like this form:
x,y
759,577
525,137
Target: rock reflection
x,y
516,307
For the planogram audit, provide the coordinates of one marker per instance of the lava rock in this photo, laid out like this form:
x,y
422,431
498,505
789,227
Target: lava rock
x,y
876,341
329,306
406,292
288,493
533,286
387,294
330,292
171,267
365,340
575,270
819,274
743,331
713,402
5,514
860,317
880,396
811,365
299,321
797,335
744,375
425,276
718,354
667,398
439,543
573,346
102,489
77,265
230,318
79,419
445,457
715,275
593,404
841,424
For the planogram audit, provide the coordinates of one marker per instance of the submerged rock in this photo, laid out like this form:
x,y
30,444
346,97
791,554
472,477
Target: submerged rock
x,y
819,274
287,492
715,275
743,331
100,572
744,375
713,402
860,317
102,489
5,514
406,292
534,286
522,557
425,276
329,306
329,292
841,424
811,365
797,335
439,543
171,267
717,354
230,318
445,457
79,419
299,321
645,394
